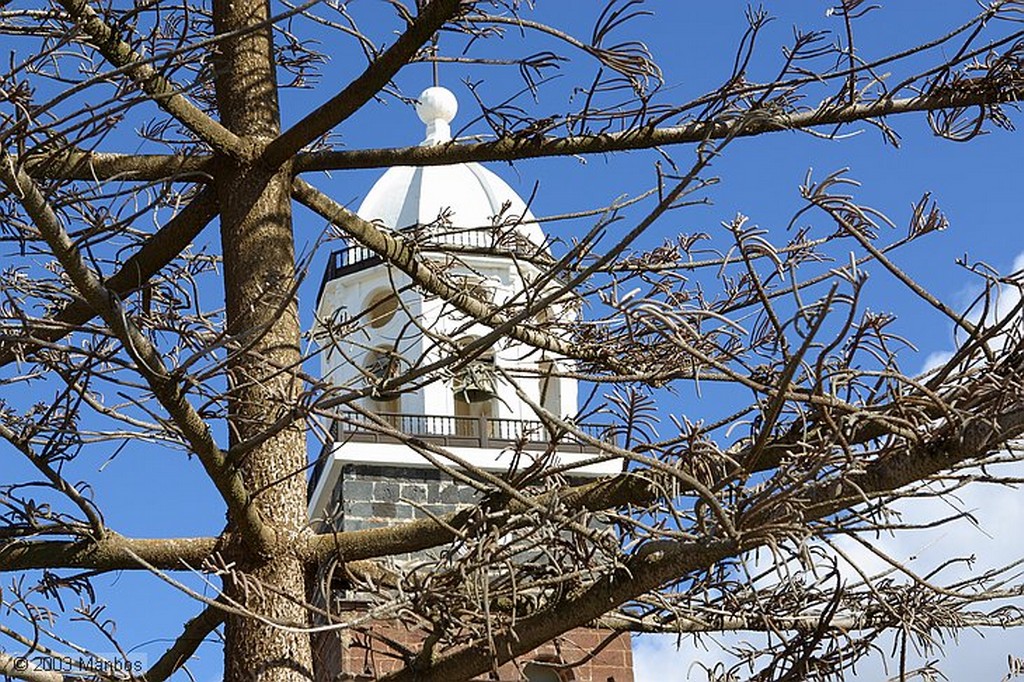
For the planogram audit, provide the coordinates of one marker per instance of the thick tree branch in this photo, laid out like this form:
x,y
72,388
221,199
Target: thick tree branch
x,y
949,446
755,123
149,362
114,552
80,165
109,554
75,164
365,87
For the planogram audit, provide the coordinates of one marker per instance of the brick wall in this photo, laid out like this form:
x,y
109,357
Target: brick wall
x,y
370,496
581,655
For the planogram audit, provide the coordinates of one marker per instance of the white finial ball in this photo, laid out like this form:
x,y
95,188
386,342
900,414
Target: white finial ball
x,y
437,103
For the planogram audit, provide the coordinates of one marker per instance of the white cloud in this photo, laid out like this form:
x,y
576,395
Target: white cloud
x,y
1003,299
667,658
935,360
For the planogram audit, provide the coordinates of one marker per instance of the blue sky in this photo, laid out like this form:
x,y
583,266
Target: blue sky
x,y
152,492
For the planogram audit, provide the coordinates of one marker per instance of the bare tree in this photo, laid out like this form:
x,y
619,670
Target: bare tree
x,y
115,333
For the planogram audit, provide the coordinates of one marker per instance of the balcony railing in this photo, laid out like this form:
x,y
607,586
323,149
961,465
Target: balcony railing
x,y
354,257
476,432
452,431
347,258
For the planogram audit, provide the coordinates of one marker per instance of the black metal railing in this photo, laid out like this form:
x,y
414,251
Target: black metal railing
x,y
456,431
354,257
347,259
453,431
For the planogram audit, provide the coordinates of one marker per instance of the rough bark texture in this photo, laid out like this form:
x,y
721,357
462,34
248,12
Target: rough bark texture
x,y
256,236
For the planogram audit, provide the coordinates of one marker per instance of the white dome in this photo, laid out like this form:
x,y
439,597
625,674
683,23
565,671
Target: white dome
x,y
467,194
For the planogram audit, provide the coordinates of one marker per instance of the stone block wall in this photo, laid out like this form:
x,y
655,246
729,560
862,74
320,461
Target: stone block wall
x,y
372,496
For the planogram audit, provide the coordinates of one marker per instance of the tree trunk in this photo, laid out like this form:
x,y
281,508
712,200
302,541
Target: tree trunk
x,y
262,317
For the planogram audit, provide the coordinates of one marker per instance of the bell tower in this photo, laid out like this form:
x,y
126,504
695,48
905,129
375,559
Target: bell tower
x,y
374,325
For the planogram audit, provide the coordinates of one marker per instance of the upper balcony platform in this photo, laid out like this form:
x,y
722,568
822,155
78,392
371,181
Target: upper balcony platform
x,y
504,240
484,442
473,432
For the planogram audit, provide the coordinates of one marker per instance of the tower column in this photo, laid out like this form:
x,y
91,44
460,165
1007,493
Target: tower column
x,y
472,226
